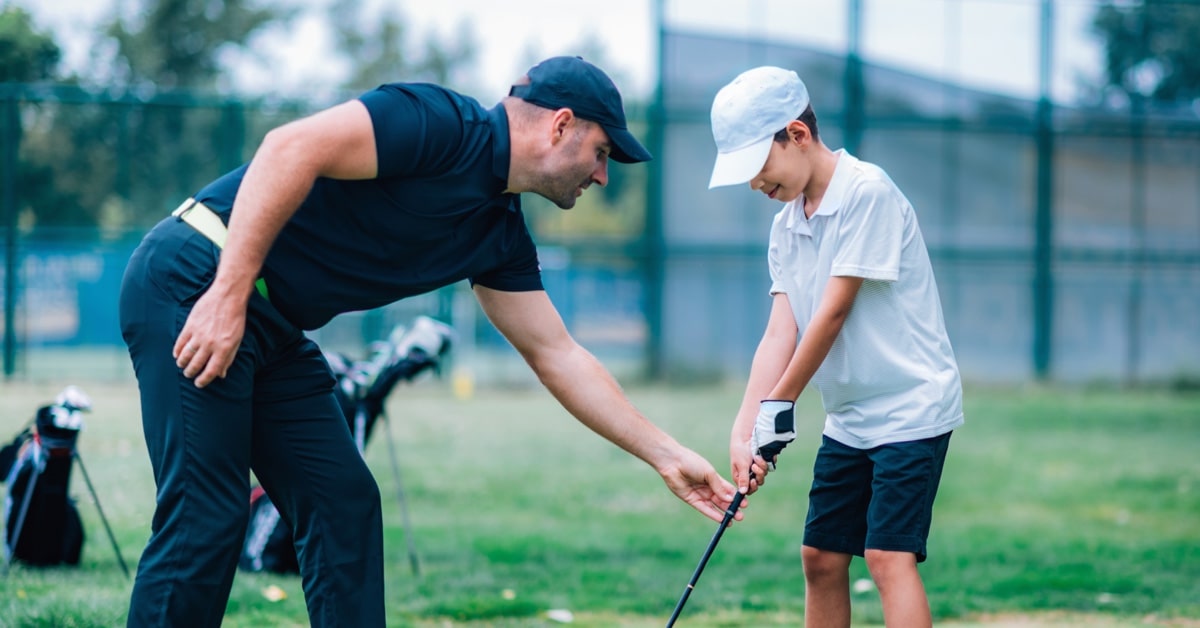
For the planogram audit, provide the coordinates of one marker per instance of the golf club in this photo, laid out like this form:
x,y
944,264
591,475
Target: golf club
x,y
712,545
779,429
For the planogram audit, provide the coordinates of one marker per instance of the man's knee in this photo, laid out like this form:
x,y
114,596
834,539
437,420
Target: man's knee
x,y
212,531
342,510
357,493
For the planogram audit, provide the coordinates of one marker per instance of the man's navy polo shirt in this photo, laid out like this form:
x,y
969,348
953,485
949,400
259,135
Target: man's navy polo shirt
x,y
436,214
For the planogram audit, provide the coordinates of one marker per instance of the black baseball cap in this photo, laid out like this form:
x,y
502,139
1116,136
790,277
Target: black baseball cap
x,y
575,84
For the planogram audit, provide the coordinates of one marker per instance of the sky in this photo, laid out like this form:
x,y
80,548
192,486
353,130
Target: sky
x,y
988,44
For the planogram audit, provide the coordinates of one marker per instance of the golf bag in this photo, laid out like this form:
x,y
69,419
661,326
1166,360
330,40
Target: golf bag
x,y
362,389
41,523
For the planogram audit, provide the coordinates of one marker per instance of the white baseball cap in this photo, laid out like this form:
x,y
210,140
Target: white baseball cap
x,y
746,115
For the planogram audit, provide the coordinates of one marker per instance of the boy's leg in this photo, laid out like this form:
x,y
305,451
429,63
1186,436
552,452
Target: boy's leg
x,y
907,476
306,460
835,530
826,588
901,591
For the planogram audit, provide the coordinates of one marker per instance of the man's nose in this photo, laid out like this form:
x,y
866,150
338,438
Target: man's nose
x,y
600,174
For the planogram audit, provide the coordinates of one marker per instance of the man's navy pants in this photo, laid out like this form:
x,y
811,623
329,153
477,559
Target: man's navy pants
x,y
274,413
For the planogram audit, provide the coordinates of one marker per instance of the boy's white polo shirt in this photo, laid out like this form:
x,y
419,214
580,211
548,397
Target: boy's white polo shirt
x,y
891,375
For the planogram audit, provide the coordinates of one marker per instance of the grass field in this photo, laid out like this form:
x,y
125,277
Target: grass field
x,y
1058,508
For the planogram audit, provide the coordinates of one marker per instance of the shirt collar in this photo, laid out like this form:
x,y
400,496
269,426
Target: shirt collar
x,y
835,193
501,149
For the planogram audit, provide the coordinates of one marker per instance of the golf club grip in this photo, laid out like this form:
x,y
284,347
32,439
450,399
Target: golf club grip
x,y
712,545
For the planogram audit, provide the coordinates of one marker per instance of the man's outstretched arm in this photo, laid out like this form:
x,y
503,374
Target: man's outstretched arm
x,y
590,393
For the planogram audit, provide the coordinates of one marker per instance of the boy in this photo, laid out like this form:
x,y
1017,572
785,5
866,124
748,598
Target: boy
x,y
856,313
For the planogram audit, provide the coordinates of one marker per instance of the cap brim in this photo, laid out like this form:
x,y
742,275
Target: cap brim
x,y
625,147
741,165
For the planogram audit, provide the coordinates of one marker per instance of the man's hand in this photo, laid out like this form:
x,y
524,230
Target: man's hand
x,y
696,482
211,336
774,428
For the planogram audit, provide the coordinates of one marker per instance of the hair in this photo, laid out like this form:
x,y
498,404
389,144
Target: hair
x,y
526,114
809,118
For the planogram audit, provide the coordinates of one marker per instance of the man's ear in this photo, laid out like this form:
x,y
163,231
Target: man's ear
x,y
560,123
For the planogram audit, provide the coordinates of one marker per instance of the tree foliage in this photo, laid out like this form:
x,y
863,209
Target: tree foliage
x,y
381,49
26,54
172,44
1152,48
121,158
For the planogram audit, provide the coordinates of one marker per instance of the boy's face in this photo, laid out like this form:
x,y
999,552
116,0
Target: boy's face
x,y
787,171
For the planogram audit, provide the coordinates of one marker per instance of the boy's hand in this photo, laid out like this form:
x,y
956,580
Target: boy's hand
x,y
774,428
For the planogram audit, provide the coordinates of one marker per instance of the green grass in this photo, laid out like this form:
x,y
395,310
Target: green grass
x,y
1058,507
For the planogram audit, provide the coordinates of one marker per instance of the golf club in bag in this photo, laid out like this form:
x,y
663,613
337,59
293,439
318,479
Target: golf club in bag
x,y
41,523
772,434
363,387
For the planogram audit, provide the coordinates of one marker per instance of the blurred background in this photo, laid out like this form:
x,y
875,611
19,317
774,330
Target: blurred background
x,y
1050,148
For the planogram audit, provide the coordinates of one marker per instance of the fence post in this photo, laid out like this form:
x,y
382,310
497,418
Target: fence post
x,y
654,243
1043,272
854,106
233,136
11,125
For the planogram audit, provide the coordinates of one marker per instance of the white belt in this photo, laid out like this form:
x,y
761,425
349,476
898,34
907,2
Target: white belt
x,y
208,223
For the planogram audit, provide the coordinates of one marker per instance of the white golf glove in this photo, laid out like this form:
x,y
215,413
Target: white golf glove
x,y
774,428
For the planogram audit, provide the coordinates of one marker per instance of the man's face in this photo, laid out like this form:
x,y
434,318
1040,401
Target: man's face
x,y
579,160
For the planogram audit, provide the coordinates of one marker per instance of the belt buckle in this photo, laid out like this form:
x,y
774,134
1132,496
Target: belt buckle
x,y
187,206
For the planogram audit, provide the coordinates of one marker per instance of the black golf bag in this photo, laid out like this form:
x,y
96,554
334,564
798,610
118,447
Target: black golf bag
x,y
41,522
363,387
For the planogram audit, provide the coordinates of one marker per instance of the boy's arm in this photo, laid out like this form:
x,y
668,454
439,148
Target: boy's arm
x,y
818,337
770,359
774,426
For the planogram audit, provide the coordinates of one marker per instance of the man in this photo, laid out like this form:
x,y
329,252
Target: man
x,y
856,313
406,189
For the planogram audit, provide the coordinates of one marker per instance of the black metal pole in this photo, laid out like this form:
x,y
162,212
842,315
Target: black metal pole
x,y
30,487
103,519
712,545
413,560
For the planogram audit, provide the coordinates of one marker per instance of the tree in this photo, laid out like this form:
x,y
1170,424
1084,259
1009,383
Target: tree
x,y
26,54
381,50
173,44
1151,48
177,133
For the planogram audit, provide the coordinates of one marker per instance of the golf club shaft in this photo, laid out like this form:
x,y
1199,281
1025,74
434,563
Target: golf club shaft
x,y
712,545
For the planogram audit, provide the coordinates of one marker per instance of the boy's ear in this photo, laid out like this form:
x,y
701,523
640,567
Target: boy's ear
x,y
798,131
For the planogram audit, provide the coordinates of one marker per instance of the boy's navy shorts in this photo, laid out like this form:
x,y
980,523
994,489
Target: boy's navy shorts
x,y
879,498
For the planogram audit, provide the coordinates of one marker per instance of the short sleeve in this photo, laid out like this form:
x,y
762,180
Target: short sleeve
x,y
520,272
870,233
418,128
775,256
